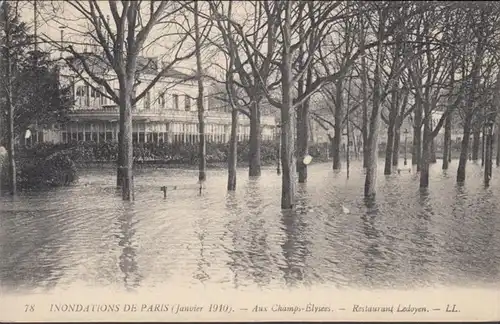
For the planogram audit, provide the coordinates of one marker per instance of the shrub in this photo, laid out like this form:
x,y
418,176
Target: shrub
x,y
176,153
48,166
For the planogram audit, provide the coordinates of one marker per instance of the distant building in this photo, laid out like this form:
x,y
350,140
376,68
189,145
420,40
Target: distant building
x,y
167,113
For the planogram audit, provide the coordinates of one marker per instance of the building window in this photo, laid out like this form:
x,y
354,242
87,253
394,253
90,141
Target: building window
x,y
161,99
102,133
147,101
82,95
187,103
88,133
109,132
175,99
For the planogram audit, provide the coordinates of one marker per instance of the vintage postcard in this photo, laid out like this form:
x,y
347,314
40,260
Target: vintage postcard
x,y
264,160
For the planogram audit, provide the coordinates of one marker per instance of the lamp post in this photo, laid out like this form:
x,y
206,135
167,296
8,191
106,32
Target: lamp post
x,y
406,141
278,165
488,150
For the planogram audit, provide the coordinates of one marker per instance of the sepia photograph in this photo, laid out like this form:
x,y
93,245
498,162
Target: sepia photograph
x,y
249,160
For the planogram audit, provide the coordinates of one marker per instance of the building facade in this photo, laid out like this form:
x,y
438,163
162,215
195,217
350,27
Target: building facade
x,y
167,113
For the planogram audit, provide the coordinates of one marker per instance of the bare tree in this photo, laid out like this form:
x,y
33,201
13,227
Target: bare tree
x,y
120,41
283,20
200,99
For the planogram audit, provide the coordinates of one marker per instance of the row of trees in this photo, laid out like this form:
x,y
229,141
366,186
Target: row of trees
x,y
341,63
369,62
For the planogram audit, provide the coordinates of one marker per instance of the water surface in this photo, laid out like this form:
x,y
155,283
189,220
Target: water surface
x,y
407,238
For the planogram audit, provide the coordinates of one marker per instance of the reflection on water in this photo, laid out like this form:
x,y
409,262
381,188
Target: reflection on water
x,y
128,263
405,237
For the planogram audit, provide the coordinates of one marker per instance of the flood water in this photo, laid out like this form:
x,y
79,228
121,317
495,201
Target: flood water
x,y
408,238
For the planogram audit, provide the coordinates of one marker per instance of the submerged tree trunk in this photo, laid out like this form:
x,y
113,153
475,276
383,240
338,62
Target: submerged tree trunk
x,y
498,147
393,113
303,140
397,145
233,152
287,131
464,150
417,136
364,95
476,139
303,132
200,100
483,151
447,143
339,116
254,168
119,159
432,157
426,155
371,168
127,182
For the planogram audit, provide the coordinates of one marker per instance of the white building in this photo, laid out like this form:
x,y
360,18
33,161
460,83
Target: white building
x,y
167,113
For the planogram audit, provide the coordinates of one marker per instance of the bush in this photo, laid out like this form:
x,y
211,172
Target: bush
x,y
171,153
49,166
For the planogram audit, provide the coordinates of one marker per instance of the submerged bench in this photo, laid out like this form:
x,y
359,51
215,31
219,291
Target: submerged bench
x,y
198,186
399,170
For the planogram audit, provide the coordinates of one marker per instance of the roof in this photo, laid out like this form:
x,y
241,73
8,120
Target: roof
x,y
99,65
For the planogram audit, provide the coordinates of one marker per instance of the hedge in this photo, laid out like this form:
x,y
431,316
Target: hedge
x,y
169,153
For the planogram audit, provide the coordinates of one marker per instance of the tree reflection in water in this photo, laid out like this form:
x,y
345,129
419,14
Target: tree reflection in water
x,y
128,263
257,245
296,246
250,252
425,254
235,253
372,253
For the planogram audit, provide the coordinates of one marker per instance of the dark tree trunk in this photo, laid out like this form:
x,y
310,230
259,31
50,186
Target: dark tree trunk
x,y
447,143
303,131
476,139
483,152
287,130
393,114
498,147
464,150
397,145
200,101
417,136
364,96
119,159
339,116
432,157
127,183
364,132
254,169
371,168
426,156
302,140
233,152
